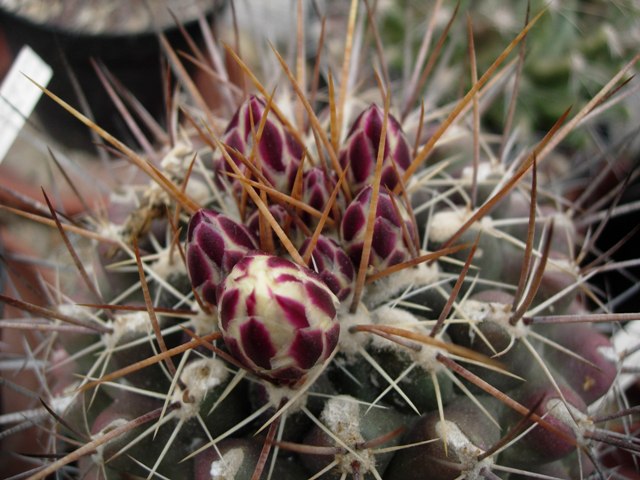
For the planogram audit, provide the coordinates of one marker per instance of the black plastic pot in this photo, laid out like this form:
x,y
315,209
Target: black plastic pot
x,y
132,53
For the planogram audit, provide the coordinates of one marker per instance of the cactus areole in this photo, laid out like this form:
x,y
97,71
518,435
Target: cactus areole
x,y
277,318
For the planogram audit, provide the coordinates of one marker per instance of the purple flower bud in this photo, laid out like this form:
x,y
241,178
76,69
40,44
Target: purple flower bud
x,y
333,265
316,190
278,153
394,230
277,318
215,243
360,150
288,223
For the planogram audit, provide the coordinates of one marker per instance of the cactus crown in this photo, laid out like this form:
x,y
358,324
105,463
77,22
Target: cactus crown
x,y
362,289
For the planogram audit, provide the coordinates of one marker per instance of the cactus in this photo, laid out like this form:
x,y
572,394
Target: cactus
x,y
312,288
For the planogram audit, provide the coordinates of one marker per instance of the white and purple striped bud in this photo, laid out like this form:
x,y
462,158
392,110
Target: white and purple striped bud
x,y
360,150
394,231
333,265
317,186
215,243
277,318
290,223
278,153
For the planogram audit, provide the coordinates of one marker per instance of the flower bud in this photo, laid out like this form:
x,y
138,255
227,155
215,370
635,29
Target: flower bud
x,y
360,150
289,223
278,153
333,265
215,243
394,231
316,190
277,318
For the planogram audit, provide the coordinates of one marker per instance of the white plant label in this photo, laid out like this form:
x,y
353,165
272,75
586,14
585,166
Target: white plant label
x,y
627,339
18,96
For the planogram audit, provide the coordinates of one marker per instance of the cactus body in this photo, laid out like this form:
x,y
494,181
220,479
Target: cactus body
x,y
292,331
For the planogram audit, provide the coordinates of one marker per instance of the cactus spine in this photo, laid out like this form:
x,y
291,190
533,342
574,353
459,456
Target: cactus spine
x,y
340,289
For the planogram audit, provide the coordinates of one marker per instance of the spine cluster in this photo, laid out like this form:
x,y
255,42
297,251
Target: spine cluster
x,y
293,299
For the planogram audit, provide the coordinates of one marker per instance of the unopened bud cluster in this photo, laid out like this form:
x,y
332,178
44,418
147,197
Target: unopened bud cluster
x,y
279,319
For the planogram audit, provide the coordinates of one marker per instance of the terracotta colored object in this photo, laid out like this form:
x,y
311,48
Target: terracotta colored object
x,y
120,34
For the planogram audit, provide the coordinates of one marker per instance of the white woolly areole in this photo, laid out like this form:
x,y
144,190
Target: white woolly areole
x,y
76,311
176,164
156,195
466,451
205,323
58,404
444,224
62,402
177,160
73,310
341,415
228,466
202,375
125,323
98,457
279,394
168,262
351,343
486,170
478,311
388,287
198,191
495,312
396,317
110,230
199,377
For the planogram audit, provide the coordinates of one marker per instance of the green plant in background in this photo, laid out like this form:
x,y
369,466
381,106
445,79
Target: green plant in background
x,y
329,280
570,54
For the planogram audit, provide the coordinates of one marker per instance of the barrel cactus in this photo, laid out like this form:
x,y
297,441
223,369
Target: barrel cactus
x,y
322,283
